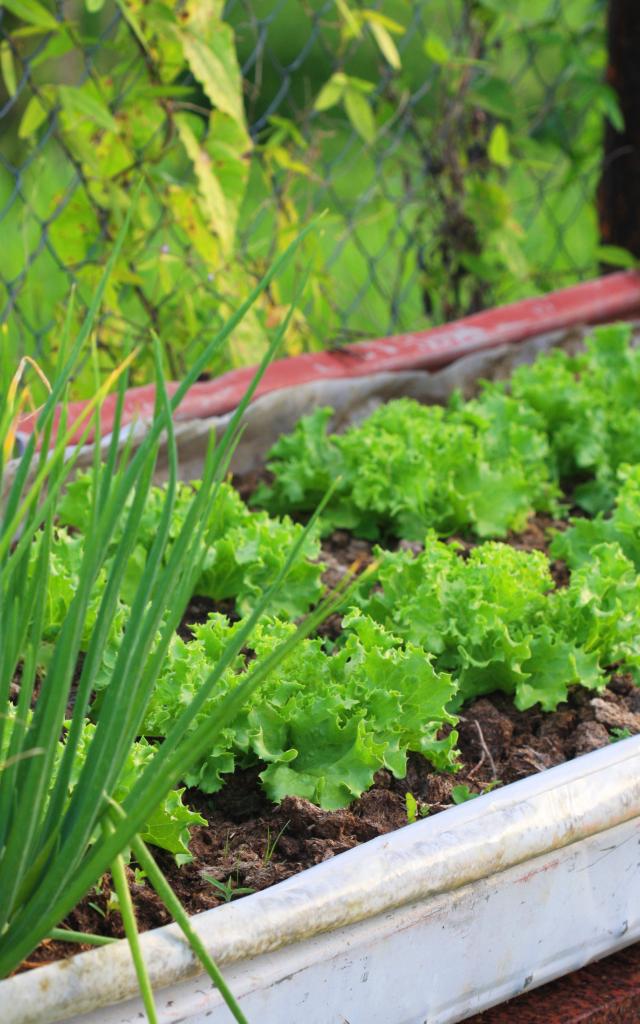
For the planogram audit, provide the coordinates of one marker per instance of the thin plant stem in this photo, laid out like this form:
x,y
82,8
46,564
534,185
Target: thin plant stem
x,y
131,931
180,916
84,938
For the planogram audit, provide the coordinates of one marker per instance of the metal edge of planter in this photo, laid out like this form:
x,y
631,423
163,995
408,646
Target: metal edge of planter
x,y
542,875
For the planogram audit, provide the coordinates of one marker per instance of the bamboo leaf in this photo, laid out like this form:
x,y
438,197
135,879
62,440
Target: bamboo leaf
x,y
386,45
8,69
33,13
331,92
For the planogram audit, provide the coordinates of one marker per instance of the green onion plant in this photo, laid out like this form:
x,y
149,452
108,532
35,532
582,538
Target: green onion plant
x,y
60,830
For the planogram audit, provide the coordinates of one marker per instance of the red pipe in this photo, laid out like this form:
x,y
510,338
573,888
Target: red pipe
x,y
614,297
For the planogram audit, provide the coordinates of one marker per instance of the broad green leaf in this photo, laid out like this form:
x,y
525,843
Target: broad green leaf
x,y
93,6
436,49
360,114
615,256
610,106
34,13
331,92
496,96
77,101
35,114
55,47
498,148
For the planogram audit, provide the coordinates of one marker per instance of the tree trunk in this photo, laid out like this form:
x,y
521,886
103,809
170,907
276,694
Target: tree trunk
x,y
619,190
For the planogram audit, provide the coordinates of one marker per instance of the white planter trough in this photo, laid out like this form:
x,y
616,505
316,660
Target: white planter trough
x,y
432,923
426,925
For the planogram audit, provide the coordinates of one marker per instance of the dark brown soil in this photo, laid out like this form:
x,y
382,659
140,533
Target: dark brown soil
x,y
250,844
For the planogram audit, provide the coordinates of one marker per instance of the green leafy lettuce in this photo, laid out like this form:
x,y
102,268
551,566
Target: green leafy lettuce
x,y
324,724
494,621
244,550
590,409
478,466
622,527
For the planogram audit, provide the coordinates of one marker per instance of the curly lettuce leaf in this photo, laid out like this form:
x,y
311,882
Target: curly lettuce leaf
x,y
244,550
494,621
481,467
323,724
622,527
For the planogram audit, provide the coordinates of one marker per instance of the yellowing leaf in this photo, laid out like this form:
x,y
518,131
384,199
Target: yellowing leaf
x,y
383,19
217,209
349,18
436,49
360,114
498,148
331,92
386,45
78,101
33,13
215,65
8,68
203,13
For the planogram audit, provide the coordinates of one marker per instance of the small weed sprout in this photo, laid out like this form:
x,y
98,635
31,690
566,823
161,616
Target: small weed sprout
x,y
415,809
227,889
272,843
460,794
617,734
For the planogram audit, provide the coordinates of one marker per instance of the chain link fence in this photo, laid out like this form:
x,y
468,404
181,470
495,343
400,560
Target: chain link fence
x,y
454,145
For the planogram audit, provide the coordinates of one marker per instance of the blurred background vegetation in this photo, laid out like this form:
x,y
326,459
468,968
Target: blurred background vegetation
x,y
456,146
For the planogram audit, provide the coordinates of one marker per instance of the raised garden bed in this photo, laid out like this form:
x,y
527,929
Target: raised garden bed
x,y
498,744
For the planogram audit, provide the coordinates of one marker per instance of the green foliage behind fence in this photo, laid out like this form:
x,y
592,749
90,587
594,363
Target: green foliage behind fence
x,y
455,145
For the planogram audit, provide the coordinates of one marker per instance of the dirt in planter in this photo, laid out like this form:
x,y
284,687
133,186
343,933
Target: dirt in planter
x,y
250,844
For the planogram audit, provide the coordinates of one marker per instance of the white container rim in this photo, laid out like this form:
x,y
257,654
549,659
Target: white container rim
x,y
476,840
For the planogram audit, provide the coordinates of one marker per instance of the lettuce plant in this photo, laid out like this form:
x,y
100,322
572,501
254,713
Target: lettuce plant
x,y
621,527
478,467
323,724
589,407
245,550
495,621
